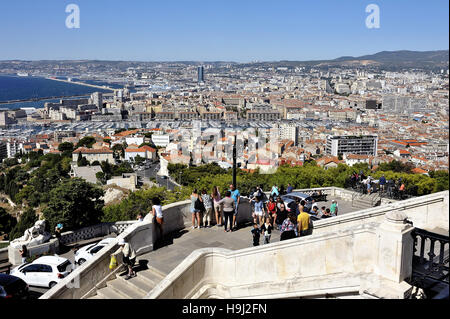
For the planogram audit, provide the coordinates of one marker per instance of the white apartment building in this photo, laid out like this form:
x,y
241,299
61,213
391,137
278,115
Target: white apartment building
x,y
161,139
351,144
288,131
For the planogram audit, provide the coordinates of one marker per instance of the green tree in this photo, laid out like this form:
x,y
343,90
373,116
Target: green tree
x,y
139,159
119,150
66,147
7,222
27,220
75,203
83,162
101,177
86,141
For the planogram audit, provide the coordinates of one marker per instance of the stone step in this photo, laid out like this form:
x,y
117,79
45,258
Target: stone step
x,y
361,207
110,293
95,297
362,203
151,277
139,283
126,289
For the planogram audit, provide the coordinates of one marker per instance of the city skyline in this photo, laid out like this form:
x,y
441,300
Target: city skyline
x,y
231,31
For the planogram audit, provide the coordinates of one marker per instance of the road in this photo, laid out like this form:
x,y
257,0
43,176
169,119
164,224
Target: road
x,y
151,172
36,292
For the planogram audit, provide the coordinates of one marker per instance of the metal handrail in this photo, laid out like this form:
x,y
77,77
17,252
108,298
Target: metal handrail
x,y
426,264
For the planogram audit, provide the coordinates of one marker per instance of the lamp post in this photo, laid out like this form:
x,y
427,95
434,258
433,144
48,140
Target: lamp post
x,y
234,161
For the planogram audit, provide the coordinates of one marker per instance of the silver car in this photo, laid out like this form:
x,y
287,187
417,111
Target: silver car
x,y
288,198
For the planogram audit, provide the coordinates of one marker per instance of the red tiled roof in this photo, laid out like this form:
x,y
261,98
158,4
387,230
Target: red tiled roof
x,y
93,151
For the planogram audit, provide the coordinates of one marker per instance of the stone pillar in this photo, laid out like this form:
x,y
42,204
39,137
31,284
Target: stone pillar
x,y
14,255
394,255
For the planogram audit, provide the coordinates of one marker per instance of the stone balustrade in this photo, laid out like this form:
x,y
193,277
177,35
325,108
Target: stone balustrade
x,y
343,248
365,258
70,237
428,212
93,274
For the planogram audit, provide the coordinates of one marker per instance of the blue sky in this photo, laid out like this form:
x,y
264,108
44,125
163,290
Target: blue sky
x,y
200,30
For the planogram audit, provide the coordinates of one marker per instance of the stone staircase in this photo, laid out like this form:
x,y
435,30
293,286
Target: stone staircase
x,y
133,288
364,201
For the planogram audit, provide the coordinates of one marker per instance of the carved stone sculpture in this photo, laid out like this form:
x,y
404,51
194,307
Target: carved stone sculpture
x,y
33,236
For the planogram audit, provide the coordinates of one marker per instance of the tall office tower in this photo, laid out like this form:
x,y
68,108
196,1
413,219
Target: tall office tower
x,y
346,144
201,74
97,99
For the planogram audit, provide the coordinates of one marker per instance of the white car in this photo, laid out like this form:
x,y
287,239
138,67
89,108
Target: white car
x,y
45,271
88,251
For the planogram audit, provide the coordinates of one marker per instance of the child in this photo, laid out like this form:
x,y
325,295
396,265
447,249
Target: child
x,y
266,229
256,233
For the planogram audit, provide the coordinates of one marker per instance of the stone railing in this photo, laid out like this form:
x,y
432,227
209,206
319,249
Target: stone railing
x,y
99,230
84,281
70,237
371,258
94,273
428,212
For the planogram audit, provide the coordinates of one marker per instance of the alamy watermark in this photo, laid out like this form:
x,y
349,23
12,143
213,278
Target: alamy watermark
x,y
73,19
373,19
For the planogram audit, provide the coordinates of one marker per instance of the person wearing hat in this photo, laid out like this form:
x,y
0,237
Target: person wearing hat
x,y
129,257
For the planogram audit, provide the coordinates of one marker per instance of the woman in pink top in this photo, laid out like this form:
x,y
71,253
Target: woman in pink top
x,y
217,207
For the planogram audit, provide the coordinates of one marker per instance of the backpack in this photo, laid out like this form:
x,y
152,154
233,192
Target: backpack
x,y
198,204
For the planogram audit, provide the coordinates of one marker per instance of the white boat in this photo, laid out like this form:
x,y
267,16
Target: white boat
x,y
22,74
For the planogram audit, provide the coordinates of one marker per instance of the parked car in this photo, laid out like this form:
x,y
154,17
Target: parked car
x,y
45,271
301,196
12,287
87,252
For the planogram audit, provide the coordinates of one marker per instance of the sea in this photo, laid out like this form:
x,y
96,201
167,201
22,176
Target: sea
x,y
13,87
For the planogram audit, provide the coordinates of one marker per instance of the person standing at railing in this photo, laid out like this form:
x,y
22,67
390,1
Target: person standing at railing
x,y
236,195
382,182
195,208
274,192
217,207
401,191
207,202
289,189
158,214
228,210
